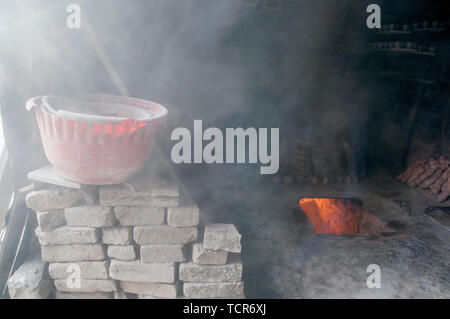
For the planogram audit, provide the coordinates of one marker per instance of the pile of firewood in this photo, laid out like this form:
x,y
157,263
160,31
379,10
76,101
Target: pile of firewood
x,y
432,174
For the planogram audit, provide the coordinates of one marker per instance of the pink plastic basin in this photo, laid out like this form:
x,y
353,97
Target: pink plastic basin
x,y
98,150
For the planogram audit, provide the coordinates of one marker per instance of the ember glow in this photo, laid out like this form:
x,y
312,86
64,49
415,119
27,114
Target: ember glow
x,y
340,216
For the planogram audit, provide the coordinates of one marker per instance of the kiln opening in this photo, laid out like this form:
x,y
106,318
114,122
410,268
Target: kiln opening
x,y
341,216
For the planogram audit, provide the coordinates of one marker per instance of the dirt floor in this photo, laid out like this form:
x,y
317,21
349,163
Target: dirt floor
x,y
284,259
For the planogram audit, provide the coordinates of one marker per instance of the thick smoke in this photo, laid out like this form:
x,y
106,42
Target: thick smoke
x,y
225,63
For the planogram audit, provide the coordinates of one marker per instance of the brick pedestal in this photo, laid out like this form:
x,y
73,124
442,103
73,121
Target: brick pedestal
x,y
133,240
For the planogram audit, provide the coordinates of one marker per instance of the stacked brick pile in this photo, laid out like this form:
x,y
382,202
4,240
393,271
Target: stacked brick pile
x,y
213,272
133,240
432,174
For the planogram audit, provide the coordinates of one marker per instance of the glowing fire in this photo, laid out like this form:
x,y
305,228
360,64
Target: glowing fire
x,y
340,216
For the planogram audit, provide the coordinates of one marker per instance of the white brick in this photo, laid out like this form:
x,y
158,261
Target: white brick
x,y
121,252
67,236
158,201
164,235
51,219
139,272
120,295
139,215
83,295
89,216
86,285
150,289
30,280
183,216
116,235
88,269
214,290
59,198
163,253
222,237
141,191
66,253
232,272
208,257
149,297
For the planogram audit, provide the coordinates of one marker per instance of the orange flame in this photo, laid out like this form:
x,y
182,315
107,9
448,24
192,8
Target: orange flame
x,y
340,216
